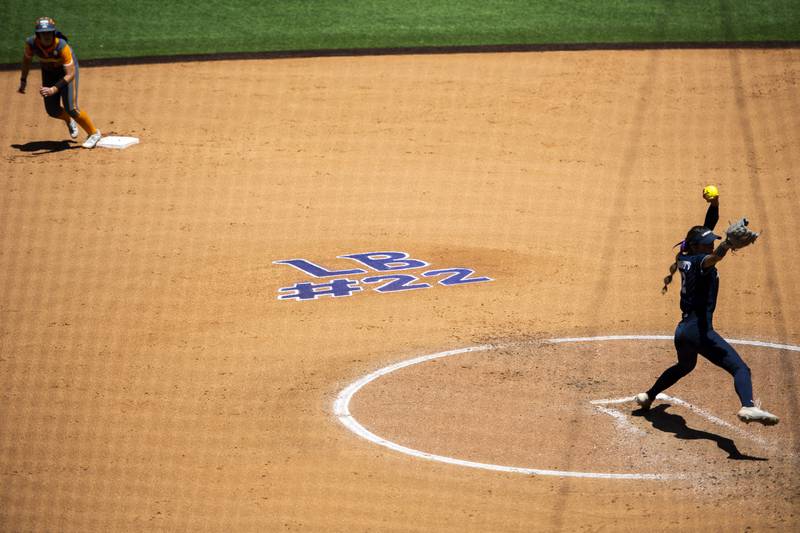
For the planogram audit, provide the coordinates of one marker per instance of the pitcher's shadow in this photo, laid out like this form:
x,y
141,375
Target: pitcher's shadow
x,y
45,147
675,424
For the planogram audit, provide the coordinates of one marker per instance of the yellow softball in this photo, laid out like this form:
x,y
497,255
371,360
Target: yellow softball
x,y
710,192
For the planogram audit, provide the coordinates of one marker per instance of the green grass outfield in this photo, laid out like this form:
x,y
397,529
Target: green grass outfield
x,y
117,29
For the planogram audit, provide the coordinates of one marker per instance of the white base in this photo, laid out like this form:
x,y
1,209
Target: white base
x,y
112,141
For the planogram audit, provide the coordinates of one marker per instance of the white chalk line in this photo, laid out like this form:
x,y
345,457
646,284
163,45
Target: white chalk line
x,y
341,409
700,411
763,344
621,420
718,421
627,399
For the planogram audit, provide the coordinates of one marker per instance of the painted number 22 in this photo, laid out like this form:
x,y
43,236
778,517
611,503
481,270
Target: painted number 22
x,y
458,276
387,283
406,282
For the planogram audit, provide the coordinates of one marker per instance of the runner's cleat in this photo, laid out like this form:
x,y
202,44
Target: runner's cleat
x,y
72,126
92,140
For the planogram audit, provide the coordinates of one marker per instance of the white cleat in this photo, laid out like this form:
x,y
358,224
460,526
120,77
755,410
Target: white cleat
x,y
643,400
72,126
92,139
756,414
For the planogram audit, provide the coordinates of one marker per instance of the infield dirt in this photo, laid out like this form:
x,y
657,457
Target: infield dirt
x,y
151,379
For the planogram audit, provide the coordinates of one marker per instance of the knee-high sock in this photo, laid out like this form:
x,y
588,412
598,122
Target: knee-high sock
x,y
86,123
64,116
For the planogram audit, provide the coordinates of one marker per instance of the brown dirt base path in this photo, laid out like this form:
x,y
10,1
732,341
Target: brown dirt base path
x,y
151,379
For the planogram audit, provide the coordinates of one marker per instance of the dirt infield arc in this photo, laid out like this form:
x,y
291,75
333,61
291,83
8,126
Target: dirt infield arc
x,y
151,379
342,412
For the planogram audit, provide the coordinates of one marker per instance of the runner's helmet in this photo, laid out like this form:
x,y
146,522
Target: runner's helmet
x,y
45,24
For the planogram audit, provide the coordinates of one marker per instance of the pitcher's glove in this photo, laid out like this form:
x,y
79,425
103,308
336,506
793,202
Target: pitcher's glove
x,y
738,235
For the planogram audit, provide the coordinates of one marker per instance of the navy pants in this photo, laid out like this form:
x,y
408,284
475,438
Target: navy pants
x,y
67,97
693,336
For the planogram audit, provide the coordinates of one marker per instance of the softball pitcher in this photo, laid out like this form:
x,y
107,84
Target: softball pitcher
x,y
59,78
696,261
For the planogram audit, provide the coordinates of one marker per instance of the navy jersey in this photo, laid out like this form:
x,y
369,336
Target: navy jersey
x,y
699,286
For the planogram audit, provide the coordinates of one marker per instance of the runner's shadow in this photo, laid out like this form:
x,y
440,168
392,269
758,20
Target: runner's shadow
x,y
670,423
45,147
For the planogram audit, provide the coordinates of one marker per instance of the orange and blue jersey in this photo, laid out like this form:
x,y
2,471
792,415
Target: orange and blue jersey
x,y
54,58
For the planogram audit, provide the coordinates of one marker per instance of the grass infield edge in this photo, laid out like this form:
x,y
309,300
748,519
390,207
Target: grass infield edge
x,y
426,50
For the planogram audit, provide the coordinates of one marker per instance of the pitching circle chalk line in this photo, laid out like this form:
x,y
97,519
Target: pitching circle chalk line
x,y
341,408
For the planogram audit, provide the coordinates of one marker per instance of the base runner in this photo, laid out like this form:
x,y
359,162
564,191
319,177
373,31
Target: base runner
x,y
60,77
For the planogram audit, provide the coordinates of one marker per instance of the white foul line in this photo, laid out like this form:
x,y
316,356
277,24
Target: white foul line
x,y
341,408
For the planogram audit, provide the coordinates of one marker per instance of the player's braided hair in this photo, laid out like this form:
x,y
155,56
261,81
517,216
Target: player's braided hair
x,y
686,246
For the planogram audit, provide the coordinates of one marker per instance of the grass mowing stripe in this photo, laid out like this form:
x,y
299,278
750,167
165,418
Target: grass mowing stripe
x,y
111,28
